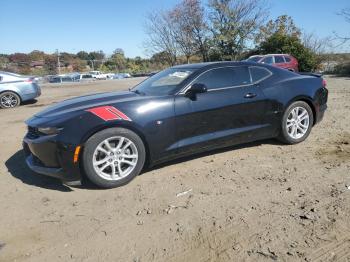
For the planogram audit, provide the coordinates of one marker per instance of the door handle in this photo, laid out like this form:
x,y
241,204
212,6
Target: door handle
x,y
250,95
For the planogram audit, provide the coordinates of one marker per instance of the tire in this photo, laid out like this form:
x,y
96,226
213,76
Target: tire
x,y
9,99
297,130
128,162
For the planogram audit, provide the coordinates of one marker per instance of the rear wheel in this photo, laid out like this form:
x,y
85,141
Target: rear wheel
x,y
296,123
113,157
9,99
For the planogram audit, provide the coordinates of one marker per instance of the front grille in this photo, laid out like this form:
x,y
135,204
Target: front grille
x,y
33,133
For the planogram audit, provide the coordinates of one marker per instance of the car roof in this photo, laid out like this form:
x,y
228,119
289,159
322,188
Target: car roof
x,y
269,55
10,74
213,64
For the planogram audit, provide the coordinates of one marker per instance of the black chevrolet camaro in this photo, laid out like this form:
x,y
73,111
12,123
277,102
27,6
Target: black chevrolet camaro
x,y
186,109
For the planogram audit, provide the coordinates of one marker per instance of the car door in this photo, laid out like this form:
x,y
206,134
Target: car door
x,y
230,112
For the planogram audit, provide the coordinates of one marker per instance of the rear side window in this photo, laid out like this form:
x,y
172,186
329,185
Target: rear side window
x,y
287,58
224,77
258,73
279,59
267,60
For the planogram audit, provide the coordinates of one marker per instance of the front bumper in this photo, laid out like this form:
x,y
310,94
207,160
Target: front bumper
x,y
35,166
48,156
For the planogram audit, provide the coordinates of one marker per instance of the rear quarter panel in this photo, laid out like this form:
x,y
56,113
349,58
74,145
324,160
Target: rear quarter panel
x,y
25,90
287,87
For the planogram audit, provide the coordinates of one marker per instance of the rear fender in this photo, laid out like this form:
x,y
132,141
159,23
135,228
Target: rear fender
x,y
307,100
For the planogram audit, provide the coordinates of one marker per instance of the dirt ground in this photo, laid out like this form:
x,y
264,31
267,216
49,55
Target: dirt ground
x,y
260,201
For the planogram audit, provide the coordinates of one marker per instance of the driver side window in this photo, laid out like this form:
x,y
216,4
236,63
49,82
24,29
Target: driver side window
x,y
224,77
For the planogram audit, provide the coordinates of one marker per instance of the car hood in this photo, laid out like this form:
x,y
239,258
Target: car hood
x,y
86,102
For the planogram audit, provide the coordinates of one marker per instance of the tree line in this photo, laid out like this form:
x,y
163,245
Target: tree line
x,y
193,31
40,63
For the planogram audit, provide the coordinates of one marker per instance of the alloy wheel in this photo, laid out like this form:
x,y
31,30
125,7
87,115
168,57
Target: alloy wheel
x,y
115,158
8,100
298,122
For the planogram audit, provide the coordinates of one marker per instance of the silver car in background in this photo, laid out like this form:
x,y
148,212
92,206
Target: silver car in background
x,y
15,89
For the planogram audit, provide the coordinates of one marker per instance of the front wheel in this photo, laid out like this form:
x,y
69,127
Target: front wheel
x,y
297,123
113,157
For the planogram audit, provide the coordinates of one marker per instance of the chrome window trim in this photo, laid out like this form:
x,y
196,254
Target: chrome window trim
x,y
262,79
284,59
184,90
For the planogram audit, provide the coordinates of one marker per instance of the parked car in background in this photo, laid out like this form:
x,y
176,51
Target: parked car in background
x,y
121,75
110,75
99,75
72,77
86,77
15,89
280,60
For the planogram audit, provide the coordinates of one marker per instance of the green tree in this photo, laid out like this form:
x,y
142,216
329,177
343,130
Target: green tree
x,y
96,55
119,60
83,55
234,23
4,61
50,64
283,25
36,55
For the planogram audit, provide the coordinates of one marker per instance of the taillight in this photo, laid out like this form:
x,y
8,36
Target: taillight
x,y
324,83
29,80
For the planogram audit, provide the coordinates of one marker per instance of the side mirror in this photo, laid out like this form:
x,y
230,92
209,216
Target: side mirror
x,y
197,88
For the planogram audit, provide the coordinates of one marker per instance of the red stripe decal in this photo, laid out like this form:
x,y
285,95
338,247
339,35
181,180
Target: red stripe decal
x,y
119,113
108,113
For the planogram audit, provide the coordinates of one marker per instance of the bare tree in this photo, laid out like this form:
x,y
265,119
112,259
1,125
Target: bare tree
x,y
195,18
190,28
346,14
182,29
161,36
316,44
234,23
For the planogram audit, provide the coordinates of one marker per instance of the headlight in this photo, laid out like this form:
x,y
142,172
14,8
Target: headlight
x,y
49,130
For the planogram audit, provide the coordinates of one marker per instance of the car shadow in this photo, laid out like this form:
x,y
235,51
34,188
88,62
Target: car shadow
x,y
29,102
213,152
17,168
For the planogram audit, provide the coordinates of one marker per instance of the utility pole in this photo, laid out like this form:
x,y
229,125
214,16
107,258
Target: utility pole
x,y
58,62
92,64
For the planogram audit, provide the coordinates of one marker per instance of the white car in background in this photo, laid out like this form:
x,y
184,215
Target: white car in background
x,y
99,75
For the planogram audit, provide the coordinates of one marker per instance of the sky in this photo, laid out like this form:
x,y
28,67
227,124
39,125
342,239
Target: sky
x,y
75,25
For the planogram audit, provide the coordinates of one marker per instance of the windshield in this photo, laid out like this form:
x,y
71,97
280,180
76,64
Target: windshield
x,y
254,58
164,83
